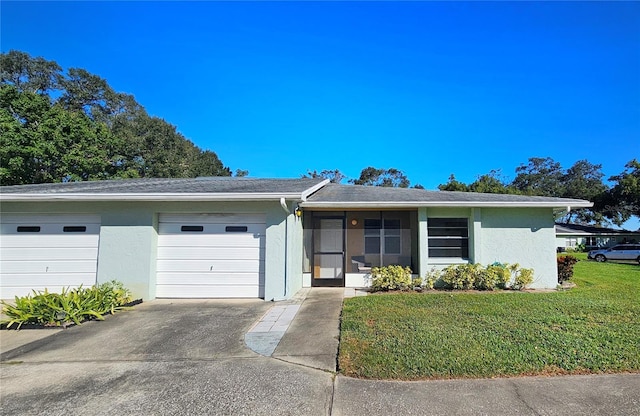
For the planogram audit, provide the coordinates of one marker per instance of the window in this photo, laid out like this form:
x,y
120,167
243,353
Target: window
x,y
28,229
192,228
372,229
382,236
448,237
591,241
74,229
236,229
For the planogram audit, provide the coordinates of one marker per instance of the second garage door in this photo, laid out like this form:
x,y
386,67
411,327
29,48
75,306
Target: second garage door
x,y
210,256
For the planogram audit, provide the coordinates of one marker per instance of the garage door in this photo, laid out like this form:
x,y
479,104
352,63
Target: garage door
x,y
210,256
47,251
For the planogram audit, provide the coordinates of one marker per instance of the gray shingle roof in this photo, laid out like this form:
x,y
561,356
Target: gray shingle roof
x,y
574,229
357,196
169,186
219,188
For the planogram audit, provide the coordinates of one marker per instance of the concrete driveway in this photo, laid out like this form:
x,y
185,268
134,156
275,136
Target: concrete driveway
x,y
161,358
189,358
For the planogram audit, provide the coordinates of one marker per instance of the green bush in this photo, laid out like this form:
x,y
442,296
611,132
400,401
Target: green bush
x,y
72,305
431,278
500,275
461,277
476,276
523,278
565,267
390,278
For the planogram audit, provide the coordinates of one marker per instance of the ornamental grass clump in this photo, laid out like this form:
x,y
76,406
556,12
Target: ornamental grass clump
x,y
69,306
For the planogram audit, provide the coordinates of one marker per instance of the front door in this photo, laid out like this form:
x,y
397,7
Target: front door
x,y
328,252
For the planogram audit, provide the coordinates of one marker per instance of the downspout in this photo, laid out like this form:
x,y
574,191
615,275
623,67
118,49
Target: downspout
x,y
283,204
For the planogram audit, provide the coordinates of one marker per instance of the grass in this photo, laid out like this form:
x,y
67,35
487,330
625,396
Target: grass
x,y
594,328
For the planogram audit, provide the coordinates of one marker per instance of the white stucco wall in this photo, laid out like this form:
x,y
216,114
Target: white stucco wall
x,y
520,235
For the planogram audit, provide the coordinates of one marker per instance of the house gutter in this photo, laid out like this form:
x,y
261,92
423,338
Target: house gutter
x,y
417,204
283,204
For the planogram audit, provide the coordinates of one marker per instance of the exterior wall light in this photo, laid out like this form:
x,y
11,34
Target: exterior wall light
x,y
298,212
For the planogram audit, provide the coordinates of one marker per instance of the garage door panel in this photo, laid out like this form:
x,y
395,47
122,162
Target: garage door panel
x,y
64,228
169,229
213,218
209,240
207,291
218,266
48,240
58,266
12,292
217,253
167,278
49,280
50,253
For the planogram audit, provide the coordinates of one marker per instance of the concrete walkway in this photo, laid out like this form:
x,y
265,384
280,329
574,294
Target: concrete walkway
x,y
304,330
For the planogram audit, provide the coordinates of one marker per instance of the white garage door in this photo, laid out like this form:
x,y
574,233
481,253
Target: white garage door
x,y
47,251
211,256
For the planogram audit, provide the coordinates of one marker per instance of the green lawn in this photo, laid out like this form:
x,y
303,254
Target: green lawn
x,y
590,329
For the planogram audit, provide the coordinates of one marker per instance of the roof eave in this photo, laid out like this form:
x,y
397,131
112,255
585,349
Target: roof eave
x,y
265,196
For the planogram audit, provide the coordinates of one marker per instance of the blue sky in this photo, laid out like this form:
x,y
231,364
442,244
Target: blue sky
x,y
430,88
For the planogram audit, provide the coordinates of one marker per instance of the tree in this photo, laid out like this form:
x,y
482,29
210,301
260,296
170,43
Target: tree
x,y
334,176
381,177
36,75
491,183
43,142
623,200
541,176
74,126
453,185
583,180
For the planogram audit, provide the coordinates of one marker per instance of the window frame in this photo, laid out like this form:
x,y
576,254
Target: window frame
x,y
381,235
434,223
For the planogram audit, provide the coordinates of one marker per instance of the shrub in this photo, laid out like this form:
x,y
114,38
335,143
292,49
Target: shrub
x,y
476,276
565,267
523,278
492,277
502,274
431,278
71,305
390,278
463,276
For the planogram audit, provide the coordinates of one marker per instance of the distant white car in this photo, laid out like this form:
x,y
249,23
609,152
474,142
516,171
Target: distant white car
x,y
617,252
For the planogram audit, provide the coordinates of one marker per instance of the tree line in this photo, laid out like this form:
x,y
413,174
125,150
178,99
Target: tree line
x,y
538,177
58,126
